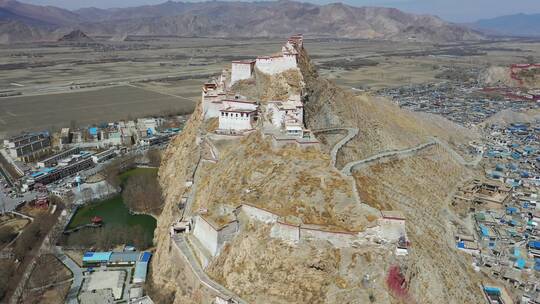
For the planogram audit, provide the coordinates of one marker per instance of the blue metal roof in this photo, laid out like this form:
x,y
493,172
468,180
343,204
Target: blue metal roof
x,y
520,263
511,210
485,231
534,244
36,174
496,174
123,257
145,257
93,130
492,290
140,272
97,256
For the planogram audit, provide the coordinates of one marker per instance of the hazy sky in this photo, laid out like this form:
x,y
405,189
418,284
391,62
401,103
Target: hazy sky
x,y
453,10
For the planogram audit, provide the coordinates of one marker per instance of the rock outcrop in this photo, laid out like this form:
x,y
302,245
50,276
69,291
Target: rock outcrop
x,y
76,36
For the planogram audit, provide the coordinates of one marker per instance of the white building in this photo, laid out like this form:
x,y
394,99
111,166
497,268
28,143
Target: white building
x,y
241,70
237,115
213,93
281,111
294,129
288,59
148,126
234,120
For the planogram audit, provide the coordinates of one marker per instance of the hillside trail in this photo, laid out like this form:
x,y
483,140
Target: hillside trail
x,y
347,170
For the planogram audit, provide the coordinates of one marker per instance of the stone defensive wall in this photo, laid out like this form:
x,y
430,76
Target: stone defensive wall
x,y
388,229
275,64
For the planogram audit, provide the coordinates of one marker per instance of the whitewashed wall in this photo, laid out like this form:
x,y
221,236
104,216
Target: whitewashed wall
x,y
211,109
275,65
240,71
232,122
259,214
287,233
206,234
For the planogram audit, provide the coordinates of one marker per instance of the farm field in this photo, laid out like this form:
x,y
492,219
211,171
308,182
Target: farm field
x,y
111,80
86,107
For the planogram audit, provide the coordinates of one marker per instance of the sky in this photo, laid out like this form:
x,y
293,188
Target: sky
x,y
451,10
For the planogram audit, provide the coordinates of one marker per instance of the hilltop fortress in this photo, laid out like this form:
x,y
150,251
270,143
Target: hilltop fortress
x,y
281,119
265,202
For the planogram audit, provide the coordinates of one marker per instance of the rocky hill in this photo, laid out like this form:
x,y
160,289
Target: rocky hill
x,y
303,189
17,31
246,19
76,36
36,14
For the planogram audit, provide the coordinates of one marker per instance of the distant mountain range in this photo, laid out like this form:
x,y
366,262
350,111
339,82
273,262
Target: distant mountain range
x,y
513,25
25,22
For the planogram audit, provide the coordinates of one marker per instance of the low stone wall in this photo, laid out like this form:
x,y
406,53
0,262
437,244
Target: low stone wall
x,y
259,214
286,232
281,142
388,230
337,239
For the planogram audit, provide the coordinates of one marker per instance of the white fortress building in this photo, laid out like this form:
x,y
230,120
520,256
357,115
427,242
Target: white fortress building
x,y
241,70
281,112
213,93
288,59
237,115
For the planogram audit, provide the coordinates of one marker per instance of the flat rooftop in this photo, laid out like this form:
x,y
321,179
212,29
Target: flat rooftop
x,y
100,280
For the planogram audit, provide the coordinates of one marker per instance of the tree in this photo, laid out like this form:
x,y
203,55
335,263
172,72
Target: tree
x,y
142,193
154,157
6,235
32,234
8,268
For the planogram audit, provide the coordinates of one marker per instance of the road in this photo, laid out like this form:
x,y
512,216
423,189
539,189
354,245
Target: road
x,y
351,133
347,169
457,156
71,297
180,242
8,204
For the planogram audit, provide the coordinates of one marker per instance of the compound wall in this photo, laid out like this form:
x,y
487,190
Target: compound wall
x,y
276,65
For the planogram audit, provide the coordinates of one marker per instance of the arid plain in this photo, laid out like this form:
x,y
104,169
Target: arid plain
x,y
111,80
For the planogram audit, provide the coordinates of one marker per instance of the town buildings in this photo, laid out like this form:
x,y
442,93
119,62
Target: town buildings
x,y
28,146
504,206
